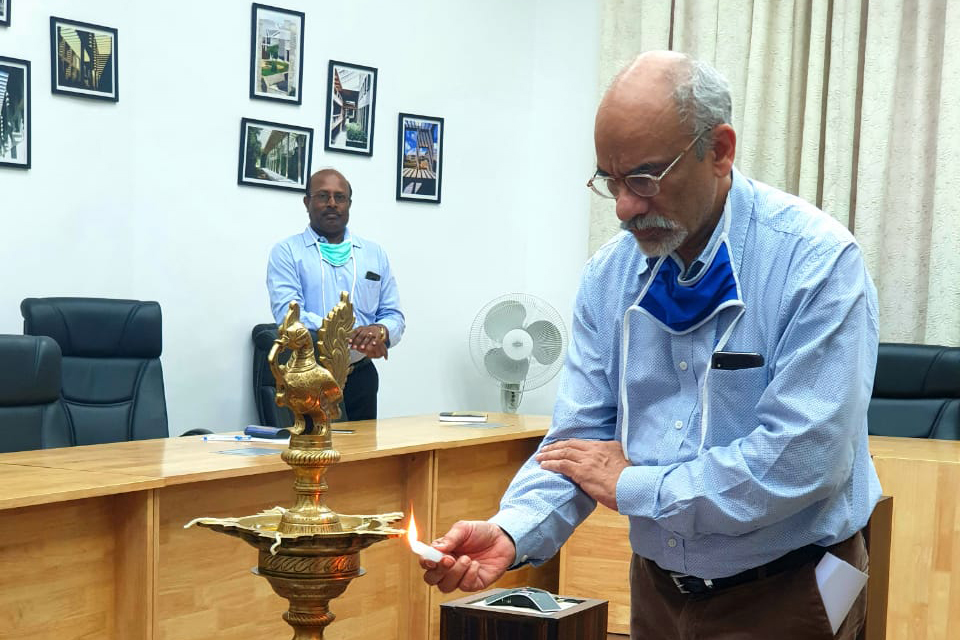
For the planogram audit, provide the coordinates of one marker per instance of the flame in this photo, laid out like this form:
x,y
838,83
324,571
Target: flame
x,y
412,529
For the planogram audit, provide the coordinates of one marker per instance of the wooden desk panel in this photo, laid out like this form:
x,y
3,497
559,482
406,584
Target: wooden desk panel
x,y
190,459
60,574
470,483
22,485
924,599
100,528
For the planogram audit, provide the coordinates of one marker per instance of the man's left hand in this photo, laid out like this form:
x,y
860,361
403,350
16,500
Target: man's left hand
x,y
595,465
370,340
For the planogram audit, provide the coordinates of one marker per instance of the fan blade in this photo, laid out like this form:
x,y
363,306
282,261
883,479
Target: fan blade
x,y
547,341
502,317
505,369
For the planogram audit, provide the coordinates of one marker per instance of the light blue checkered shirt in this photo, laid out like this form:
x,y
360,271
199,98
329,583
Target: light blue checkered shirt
x,y
785,461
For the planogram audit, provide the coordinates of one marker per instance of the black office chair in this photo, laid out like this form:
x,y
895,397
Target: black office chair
x,y
916,392
31,415
112,382
264,387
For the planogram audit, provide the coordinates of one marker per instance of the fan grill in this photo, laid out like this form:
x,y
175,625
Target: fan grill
x,y
526,363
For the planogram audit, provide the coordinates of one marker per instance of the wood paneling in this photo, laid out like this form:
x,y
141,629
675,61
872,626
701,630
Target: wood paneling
x,y
924,597
93,543
596,558
57,571
471,481
24,485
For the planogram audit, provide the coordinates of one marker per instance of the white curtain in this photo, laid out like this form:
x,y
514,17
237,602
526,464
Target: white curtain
x,y
852,104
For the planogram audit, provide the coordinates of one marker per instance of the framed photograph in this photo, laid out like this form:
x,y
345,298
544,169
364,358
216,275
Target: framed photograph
x,y
83,59
351,102
5,13
274,155
14,112
276,54
420,158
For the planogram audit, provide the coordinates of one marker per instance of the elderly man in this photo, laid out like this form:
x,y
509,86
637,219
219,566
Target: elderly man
x,y
313,267
715,390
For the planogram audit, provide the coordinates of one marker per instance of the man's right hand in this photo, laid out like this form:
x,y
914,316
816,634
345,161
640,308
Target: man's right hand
x,y
477,554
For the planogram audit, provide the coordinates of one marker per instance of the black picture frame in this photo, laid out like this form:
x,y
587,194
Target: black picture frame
x,y
83,60
276,45
419,158
5,13
351,100
288,168
15,103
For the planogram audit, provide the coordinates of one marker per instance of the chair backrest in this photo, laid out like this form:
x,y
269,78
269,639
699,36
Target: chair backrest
x,y
112,383
916,392
31,415
264,387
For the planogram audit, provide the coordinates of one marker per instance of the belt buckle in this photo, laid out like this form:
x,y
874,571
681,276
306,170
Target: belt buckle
x,y
684,582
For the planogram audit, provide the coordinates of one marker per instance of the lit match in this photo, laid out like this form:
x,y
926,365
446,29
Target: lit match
x,y
423,550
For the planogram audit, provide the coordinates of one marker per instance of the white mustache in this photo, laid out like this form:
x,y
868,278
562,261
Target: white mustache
x,y
649,222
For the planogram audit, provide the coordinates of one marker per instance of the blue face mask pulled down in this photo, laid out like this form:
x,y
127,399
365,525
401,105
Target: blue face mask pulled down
x,y
682,307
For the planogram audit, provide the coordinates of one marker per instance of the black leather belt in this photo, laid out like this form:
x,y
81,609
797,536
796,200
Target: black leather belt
x,y
793,560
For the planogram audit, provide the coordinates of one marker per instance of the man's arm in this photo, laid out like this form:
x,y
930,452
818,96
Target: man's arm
x,y
541,508
283,285
389,313
374,339
808,419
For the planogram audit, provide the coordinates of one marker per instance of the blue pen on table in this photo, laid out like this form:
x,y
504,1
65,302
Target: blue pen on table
x,y
222,438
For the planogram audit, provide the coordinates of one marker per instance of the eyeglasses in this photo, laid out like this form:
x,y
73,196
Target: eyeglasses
x,y
324,196
642,184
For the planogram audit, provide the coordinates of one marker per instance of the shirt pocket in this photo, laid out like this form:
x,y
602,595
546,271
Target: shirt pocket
x,y
368,296
734,395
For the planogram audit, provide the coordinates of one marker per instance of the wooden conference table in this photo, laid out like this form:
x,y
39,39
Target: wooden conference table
x,y
92,543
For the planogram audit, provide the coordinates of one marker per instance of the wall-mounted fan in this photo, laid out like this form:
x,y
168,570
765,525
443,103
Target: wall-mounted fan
x,y
518,340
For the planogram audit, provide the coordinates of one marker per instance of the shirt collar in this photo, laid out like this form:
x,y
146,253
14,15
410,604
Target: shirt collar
x,y
312,237
694,268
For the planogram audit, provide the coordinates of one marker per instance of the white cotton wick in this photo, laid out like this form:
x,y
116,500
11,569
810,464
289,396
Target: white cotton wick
x,y
426,551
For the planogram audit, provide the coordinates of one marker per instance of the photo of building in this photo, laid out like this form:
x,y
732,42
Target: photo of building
x,y
274,155
278,54
421,153
14,132
351,108
84,59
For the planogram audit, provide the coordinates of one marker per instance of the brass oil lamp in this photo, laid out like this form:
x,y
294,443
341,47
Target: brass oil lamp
x,y
309,553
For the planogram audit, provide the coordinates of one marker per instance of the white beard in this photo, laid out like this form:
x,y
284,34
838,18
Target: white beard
x,y
664,247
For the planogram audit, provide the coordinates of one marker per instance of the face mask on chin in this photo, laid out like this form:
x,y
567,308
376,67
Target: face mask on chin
x,y
335,254
681,306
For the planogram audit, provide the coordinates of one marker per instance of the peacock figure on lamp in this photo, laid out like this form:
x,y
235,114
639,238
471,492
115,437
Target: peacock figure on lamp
x,y
309,553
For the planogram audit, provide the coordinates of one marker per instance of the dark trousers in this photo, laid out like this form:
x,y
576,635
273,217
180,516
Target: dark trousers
x,y
786,605
360,391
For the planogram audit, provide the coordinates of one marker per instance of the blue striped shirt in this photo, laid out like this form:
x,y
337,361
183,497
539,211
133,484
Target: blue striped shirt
x,y
295,271
785,461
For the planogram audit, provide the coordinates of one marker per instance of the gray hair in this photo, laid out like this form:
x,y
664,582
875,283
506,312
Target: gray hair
x,y
702,96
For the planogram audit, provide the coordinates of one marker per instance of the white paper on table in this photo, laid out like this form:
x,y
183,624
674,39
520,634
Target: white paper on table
x,y
839,583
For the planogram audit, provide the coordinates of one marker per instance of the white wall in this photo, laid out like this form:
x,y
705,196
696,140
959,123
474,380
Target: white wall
x,y
139,199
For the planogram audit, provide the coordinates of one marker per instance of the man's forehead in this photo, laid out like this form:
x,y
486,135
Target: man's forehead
x,y
329,180
635,149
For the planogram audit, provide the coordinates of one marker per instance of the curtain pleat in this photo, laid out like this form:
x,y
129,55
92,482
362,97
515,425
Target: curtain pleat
x,y
853,105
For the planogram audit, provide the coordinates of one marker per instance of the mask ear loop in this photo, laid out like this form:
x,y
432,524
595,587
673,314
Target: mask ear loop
x,y
624,349
705,395
323,274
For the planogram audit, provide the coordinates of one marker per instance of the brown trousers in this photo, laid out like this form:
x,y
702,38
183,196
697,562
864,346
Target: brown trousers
x,y
785,606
